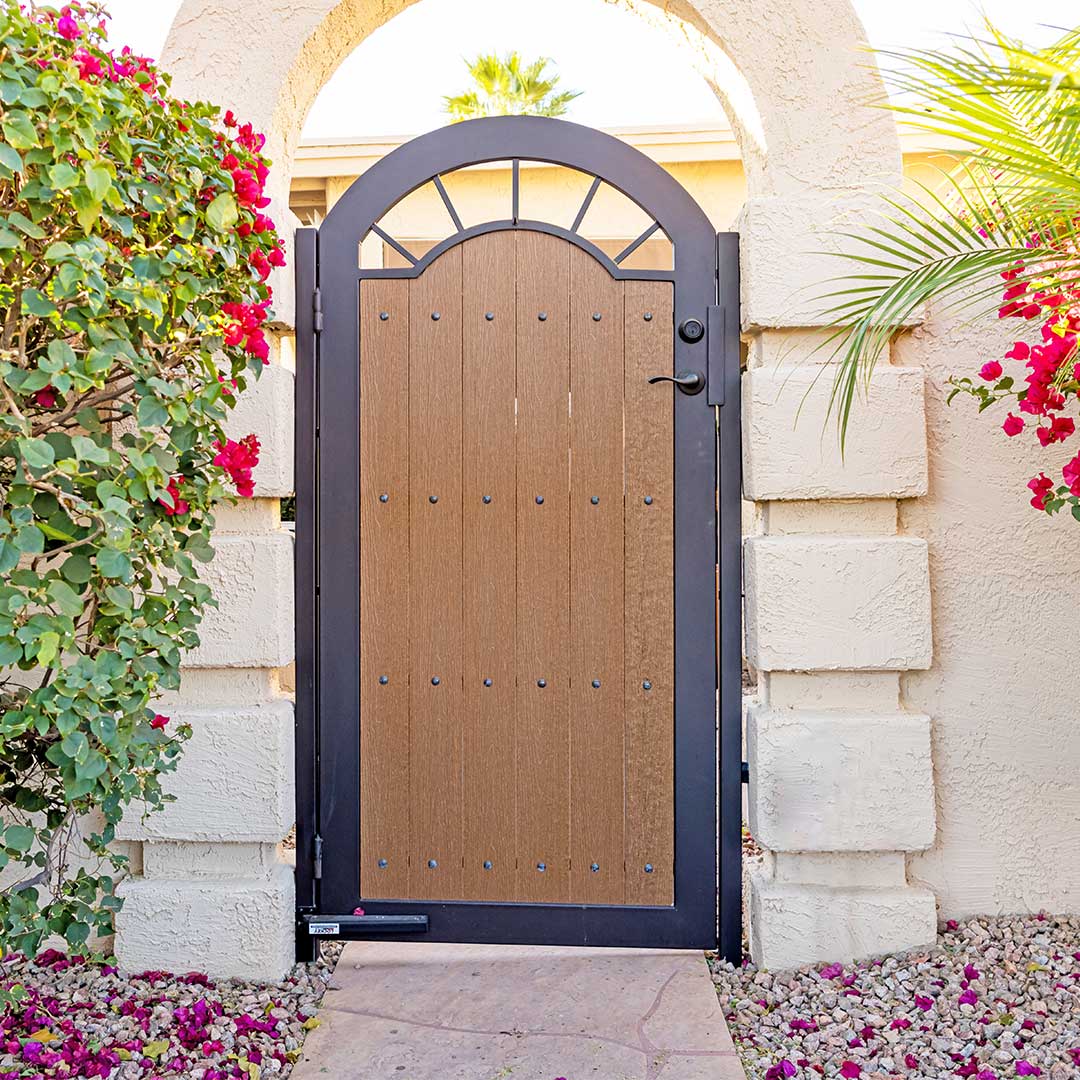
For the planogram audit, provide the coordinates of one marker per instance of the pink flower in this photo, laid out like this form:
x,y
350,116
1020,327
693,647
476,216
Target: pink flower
x,y
175,505
781,1069
911,1061
952,924
990,371
1025,1068
901,1023
1021,350
971,972
850,1069
46,397
67,27
90,67
1061,427
924,1003
1013,425
358,911
831,971
159,721
238,459
1042,486
968,997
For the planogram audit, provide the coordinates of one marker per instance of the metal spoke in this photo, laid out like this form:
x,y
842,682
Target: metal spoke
x,y
586,204
402,251
448,204
631,248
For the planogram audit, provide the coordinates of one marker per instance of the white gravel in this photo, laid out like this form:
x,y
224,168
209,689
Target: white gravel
x,y
997,998
73,1019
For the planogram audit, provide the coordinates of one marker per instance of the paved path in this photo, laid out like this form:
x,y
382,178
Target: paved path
x,y
421,1011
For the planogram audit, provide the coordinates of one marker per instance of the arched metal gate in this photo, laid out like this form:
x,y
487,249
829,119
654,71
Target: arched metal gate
x,y
518,692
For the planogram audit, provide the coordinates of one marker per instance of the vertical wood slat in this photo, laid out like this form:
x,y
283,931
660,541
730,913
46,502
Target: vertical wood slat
x,y
384,587
596,583
543,826
435,591
489,375
649,599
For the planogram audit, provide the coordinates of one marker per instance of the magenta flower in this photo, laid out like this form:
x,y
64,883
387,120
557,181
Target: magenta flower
x,y
832,971
850,1070
1025,1068
924,1003
67,27
968,997
971,972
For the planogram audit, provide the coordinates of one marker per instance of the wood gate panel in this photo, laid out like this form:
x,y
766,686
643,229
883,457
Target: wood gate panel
x,y
489,470
596,582
436,694
384,585
649,600
517,622
543,549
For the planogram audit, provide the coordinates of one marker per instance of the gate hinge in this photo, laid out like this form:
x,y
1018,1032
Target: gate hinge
x,y
316,307
317,873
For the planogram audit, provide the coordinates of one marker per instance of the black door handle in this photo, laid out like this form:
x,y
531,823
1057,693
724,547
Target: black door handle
x,y
689,382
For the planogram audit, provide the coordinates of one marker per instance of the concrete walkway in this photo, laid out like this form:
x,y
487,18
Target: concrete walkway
x,y
421,1011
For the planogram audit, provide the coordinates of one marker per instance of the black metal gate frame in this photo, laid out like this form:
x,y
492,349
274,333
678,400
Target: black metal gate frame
x,y
708,770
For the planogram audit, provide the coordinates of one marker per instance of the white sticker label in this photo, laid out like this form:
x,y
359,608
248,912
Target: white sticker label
x,y
323,929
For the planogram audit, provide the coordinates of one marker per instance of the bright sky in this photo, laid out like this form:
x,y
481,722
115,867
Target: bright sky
x,y
403,69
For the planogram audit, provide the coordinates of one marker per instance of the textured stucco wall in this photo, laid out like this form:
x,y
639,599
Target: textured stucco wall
x,y
1006,617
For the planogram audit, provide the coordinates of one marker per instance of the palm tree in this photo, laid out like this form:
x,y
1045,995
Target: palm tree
x,y
503,86
1005,220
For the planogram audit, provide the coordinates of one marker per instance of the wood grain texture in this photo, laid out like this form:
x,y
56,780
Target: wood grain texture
x,y
649,595
596,583
435,589
489,464
384,587
543,570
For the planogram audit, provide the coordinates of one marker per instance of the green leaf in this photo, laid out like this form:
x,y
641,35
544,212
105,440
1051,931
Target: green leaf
x,y
66,598
61,355
19,838
150,413
35,302
222,213
37,453
113,564
9,156
62,176
98,181
48,647
77,569
25,225
19,130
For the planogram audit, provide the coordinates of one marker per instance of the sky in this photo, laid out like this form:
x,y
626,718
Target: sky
x,y
420,55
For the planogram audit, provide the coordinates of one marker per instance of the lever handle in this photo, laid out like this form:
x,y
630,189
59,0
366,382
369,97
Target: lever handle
x,y
689,382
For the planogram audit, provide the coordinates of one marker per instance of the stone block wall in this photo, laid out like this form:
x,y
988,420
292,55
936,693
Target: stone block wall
x,y
215,892
837,606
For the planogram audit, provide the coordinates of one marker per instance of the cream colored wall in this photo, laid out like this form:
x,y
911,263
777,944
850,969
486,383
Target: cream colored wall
x,y
1006,617
554,194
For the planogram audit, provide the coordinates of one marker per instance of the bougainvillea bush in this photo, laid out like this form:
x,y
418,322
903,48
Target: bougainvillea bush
x,y
999,236
134,253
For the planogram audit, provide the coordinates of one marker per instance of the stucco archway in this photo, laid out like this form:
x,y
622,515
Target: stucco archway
x,y
842,775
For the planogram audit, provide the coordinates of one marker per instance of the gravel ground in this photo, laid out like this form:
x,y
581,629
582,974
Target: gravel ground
x,y
73,1019
997,998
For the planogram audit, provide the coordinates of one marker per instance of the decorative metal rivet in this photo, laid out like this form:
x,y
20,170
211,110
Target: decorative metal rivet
x,y
596,684
384,679
595,500
541,866
487,864
435,680
383,864
595,867
646,685
487,682
541,683
648,316
436,316
648,868
539,500
542,316
490,316
596,316
648,500
384,315
487,499
432,864
384,497
433,498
